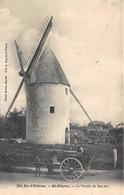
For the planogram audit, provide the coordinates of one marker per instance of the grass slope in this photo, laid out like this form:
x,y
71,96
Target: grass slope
x,y
13,154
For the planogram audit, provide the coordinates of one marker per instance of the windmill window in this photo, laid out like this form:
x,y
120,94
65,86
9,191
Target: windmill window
x,y
66,91
52,109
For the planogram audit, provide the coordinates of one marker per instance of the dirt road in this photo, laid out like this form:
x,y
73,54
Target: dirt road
x,y
94,177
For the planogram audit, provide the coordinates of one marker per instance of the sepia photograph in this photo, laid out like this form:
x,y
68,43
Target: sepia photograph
x,y
61,96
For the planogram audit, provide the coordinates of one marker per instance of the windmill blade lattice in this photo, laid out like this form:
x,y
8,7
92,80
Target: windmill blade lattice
x,y
40,46
19,55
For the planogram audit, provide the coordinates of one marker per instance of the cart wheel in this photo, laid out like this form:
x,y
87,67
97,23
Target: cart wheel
x,y
71,169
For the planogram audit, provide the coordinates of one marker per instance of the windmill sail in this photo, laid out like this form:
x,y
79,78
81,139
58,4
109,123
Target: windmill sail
x,y
19,55
77,100
40,46
15,96
33,61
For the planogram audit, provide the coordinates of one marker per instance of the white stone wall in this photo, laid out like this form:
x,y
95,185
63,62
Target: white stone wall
x,y
43,127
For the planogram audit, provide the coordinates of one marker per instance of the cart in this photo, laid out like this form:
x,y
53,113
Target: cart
x,y
72,165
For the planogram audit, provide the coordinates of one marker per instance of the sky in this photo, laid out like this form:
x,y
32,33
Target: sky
x,y
87,40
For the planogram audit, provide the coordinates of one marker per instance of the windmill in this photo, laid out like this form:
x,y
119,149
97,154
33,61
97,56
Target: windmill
x,y
47,94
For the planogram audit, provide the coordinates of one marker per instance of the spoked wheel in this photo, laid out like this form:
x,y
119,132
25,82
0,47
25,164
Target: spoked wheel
x,y
71,169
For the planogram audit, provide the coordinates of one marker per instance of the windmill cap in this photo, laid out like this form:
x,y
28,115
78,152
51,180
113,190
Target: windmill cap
x,y
49,70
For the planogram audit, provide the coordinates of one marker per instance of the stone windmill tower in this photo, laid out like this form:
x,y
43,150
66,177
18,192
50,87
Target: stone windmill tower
x,y
47,115
47,93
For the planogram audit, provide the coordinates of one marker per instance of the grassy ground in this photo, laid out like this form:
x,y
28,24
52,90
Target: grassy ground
x,y
24,154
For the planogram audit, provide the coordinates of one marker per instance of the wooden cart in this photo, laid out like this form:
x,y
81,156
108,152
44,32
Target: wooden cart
x,y
72,165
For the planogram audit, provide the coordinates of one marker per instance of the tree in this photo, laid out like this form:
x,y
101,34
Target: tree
x,y
109,125
14,126
18,117
92,133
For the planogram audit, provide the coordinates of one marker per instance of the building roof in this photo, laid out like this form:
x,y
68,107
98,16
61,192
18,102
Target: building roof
x,y
49,70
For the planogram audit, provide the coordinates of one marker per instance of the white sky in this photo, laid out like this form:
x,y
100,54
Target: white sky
x,y
87,40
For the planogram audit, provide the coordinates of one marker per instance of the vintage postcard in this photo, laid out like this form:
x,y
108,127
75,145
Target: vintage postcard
x,y
61,97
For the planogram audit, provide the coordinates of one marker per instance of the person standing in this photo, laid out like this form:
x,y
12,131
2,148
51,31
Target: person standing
x,y
115,157
67,136
76,141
